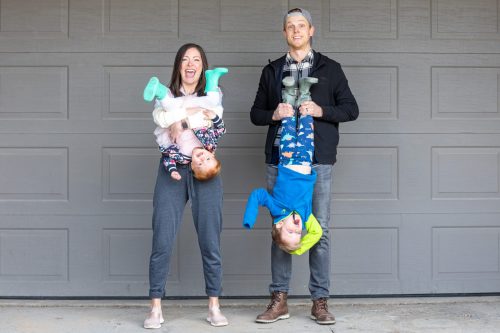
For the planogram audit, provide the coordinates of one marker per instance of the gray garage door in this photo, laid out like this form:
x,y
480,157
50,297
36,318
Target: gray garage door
x,y
416,189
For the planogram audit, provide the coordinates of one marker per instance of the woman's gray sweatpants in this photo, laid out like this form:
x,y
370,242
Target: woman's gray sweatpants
x,y
170,198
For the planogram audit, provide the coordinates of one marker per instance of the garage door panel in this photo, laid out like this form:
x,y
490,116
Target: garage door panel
x,y
34,255
466,172
43,89
380,103
360,19
34,174
365,253
366,173
471,93
34,19
464,19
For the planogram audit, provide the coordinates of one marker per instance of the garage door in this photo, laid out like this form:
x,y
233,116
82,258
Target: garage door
x,y
416,190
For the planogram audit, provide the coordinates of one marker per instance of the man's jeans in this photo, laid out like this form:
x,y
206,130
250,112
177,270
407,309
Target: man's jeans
x,y
319,254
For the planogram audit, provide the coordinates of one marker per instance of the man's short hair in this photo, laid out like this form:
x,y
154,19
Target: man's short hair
x,y
298,11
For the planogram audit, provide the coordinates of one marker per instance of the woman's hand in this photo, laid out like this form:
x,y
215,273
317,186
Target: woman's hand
x,y
175,130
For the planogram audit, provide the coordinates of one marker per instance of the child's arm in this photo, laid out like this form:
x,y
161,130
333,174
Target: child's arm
x,y
218,128
258,197
212,102
169,163
170,156
209,137
314,232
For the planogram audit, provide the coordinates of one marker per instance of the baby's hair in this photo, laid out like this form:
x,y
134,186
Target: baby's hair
x,y
208,174
276,235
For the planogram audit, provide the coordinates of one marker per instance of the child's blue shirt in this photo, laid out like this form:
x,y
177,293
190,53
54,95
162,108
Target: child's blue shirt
x,y
293,191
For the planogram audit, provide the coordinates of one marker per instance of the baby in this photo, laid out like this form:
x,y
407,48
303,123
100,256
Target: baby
x,y
184,135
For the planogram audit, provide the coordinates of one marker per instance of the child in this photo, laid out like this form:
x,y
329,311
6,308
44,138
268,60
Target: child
x,y
290,203
188,132
182,145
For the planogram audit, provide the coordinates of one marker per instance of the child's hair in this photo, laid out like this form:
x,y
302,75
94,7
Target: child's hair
x,y
276,235
207,174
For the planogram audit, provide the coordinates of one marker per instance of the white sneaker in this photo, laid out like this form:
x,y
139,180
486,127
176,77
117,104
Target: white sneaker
x,y
216,318
154,319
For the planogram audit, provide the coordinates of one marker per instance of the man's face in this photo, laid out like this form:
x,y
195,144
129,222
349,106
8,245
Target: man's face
x,y
298,32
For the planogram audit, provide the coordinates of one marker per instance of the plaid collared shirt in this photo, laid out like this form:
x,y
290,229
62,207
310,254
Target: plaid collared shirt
x,y
298,70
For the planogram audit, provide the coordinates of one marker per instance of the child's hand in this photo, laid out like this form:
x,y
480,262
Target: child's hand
x,y
209,114
175,175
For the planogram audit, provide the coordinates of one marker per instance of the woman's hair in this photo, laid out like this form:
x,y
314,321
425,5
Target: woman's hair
x,y
276,235
175,80
207,174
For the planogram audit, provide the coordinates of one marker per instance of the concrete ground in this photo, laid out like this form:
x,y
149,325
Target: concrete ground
x,y
428,314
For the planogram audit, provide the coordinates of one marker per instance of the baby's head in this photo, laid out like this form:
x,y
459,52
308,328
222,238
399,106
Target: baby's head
x,y
288,232
204,164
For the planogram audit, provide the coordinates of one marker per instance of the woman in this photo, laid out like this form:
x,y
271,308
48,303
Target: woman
x,y
171,196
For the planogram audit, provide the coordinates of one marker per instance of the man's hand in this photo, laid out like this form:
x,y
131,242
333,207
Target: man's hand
x,y
282,111
310,108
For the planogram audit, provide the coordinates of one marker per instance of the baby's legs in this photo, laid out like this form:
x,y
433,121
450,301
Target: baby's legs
x,y
305,140
297,147
212,100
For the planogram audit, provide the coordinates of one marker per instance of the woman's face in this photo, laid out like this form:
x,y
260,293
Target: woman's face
x,y
191,67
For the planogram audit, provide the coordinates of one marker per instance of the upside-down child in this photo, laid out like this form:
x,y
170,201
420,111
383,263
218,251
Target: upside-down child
x,y
290,202
189,127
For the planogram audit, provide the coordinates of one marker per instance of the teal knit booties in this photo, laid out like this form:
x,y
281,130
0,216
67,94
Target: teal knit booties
x,y
212,77
153,89
305,84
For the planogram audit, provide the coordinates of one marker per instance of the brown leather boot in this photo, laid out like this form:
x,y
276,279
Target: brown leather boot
x,y
276,310
319,312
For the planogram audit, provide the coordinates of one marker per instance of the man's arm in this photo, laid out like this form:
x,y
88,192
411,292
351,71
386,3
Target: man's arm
x,y
346,108
314,232
260,115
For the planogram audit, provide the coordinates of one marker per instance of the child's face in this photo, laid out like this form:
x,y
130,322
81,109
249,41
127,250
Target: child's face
x,y
202,159
291,229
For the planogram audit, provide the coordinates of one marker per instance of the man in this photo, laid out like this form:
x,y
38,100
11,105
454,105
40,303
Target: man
x,y
332,102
